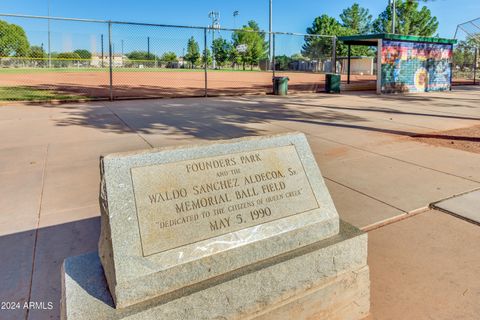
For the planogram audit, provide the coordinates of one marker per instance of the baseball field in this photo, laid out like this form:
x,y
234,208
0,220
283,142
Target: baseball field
x,y
71,83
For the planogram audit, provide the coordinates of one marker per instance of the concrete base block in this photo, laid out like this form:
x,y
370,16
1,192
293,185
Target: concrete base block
x,y
328,279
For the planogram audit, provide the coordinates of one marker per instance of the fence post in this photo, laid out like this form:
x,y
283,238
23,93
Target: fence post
x,y
348,63
273,55
205,59
110,58
475,66
334,54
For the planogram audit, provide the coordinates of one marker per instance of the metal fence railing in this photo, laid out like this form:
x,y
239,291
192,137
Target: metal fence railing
x,y
63,58
465,64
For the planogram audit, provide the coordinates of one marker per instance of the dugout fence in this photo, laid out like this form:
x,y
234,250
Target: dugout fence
x,y
101,59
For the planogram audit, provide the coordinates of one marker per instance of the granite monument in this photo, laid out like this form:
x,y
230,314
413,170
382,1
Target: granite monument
x,y
237,229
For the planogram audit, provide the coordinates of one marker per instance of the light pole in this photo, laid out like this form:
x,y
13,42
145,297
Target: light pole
x,y
394,13
48,21
270,47
215,16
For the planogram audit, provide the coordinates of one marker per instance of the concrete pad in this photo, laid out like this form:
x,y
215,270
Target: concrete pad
x,y
404,186
66,216
69,187
87,126
54,245
358,209
22,158
26,132
428,156
330,152
91,150
19,111
20,200
466,206
357,134
16,271
394,113
424,268
173,116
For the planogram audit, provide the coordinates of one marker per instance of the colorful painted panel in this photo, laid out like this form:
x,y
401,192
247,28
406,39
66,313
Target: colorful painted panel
x,y
415,66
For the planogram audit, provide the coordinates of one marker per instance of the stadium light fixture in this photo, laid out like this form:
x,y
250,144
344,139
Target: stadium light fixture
x,y
235,15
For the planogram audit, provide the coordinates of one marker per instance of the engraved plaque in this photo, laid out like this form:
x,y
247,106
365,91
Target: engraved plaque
x,y
183,202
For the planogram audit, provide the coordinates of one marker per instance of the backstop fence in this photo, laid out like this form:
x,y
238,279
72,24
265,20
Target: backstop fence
x,y
63,58
465,64
466,53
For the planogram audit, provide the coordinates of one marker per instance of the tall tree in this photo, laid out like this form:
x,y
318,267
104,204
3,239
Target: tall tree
x,y
410,20
464,53
37,52
169,58
66,59
193,52
221,49
357,19
254,40
206,57
13,40
83,53
315,46
141,55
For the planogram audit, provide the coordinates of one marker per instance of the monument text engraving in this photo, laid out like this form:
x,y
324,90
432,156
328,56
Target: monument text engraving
x,y
188,201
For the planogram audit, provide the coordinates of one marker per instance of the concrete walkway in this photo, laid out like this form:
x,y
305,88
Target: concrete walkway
x,y
374,171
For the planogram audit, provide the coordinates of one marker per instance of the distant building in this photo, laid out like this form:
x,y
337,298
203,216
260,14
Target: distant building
x,y
358,65
118,60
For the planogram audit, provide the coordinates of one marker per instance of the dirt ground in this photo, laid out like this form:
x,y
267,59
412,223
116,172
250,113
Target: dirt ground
x,y
167,84
467,139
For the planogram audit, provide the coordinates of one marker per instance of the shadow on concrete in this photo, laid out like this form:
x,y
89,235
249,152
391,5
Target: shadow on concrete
x,y
447,137
206,119
390,111
213,119
31,265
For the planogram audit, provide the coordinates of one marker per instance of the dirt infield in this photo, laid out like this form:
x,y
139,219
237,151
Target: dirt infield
x,y
466,139
167,84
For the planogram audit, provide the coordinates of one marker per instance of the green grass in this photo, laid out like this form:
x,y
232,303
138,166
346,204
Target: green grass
x,y
106,70
32,94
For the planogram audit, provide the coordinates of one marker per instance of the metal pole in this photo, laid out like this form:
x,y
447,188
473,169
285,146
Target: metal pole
x,y
49,51
148,48
101,44
213,51
334,55
451,67
270,24
110,58
394,10
348,63
273,57
475,66
205,57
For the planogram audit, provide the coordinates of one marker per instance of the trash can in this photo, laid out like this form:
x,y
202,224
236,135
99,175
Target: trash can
x,y
280,86
332,83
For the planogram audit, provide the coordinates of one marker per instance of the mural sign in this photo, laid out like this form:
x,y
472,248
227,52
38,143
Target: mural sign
x,y
415,66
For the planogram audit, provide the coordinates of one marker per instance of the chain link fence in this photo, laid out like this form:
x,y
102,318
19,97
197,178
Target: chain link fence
x,y
465,65
466,53
44,58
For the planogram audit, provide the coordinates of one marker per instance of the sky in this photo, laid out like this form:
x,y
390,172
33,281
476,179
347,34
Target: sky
x,y
288,16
